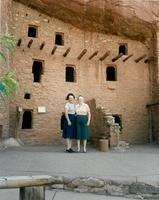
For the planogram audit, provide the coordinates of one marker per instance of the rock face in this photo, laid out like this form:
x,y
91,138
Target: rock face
x,y
122,188
133,19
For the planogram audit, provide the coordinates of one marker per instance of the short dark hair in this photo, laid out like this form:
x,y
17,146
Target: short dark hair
x,y
70,94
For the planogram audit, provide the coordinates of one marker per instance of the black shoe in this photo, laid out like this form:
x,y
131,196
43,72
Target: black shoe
x,y
72,151
68,151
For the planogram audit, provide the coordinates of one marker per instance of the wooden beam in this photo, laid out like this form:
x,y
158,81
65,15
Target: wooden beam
x,y
42,45
53,50
93,55
117,57
125,59
19,42
30,43
140,58
104,56
82,54
24,181
148,60
66,52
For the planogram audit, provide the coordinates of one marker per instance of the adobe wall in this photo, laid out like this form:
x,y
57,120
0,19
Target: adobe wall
x,y
127,96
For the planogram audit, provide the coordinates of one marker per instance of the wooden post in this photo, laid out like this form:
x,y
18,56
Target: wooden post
x,y
148,60
66,52
140,58
117,57
32,193
127,57
82,54
53,50
30,43
42,45
104,56
94,54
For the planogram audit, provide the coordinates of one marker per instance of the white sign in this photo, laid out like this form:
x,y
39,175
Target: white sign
x,y
41,109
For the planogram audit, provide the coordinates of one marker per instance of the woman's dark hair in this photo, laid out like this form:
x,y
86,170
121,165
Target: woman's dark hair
x,y
70,94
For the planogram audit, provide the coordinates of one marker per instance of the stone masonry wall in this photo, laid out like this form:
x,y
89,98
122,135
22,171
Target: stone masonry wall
x,y
127,96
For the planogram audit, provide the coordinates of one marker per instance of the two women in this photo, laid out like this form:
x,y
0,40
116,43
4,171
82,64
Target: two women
x,y
77,121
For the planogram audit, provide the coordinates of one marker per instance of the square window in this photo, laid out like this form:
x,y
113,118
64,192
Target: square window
x,y
123,48
111,73
59,39
70,74
32,31
27,96
37,70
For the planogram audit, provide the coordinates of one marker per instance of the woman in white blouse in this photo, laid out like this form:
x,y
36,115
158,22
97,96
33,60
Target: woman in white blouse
x,y
69,131
82,122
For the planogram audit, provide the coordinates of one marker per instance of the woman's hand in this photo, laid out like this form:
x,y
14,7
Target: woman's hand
x,y
88,123
69,123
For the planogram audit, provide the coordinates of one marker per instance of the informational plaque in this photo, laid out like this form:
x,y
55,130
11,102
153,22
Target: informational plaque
x,y
41,109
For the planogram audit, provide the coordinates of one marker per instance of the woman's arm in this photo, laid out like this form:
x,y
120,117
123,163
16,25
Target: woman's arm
x,y
89,118
67,117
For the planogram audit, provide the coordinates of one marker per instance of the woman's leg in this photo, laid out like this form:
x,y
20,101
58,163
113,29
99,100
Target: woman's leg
x,y
78,145
85,146
68,143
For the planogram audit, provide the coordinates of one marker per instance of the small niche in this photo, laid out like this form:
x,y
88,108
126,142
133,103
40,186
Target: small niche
x,y
27,96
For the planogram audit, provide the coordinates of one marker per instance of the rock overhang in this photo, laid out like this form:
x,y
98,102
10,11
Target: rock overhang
x,y
105,16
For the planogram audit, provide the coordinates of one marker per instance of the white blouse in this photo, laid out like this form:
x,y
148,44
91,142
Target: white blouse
x,y
82,109
70,107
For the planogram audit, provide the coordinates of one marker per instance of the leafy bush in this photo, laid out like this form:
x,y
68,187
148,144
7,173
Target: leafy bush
x,y
8,82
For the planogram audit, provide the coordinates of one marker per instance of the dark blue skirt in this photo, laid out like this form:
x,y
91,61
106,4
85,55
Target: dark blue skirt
x,y
70,131
82,128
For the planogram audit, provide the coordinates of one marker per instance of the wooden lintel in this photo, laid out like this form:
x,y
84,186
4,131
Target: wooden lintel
x,y
93,55
66,52
19,42
30,43
42,45
53,50
140,58
82,54
104,56
125,59
117,57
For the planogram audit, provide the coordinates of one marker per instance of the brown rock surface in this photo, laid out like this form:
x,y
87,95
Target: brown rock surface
x,y
131,18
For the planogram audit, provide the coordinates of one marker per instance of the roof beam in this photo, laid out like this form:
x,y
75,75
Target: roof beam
x,y
82,54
